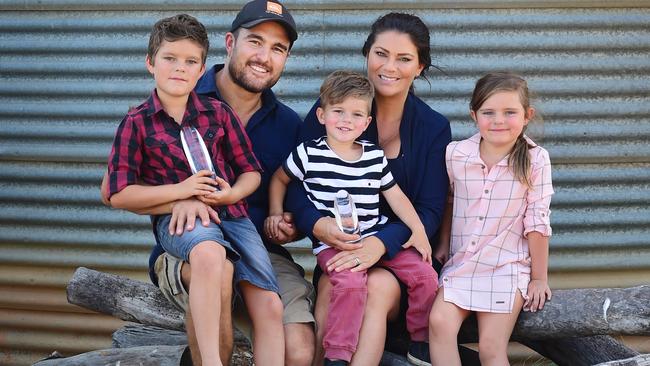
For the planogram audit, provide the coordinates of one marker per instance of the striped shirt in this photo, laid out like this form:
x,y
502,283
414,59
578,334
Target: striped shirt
x,y
148,149
323,173
493,213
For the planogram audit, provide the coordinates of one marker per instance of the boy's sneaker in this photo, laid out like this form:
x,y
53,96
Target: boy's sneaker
x,y
419,354
329,362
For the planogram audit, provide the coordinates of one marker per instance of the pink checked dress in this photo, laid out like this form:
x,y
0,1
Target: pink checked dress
x,y
493,213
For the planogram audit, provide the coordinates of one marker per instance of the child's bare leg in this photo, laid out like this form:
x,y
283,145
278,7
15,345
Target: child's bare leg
x,y
265,310
225,322
494,331
207,262
445,320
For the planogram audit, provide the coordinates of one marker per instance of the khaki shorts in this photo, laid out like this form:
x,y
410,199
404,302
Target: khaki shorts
x,y
297,294
168,271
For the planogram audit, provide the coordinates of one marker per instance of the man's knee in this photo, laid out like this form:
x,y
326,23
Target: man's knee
x,y
300,344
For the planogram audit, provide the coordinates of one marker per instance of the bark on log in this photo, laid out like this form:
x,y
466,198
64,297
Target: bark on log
x,y
123,298
587,312
143,356
584,351
136,335
640,360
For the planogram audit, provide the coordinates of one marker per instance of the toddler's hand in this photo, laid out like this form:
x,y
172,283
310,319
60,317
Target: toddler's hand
x,y
538,294
199,184
271,223
419,241
221,197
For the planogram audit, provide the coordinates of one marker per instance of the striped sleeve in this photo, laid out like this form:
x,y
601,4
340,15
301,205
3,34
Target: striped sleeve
x,y
387,180
294,166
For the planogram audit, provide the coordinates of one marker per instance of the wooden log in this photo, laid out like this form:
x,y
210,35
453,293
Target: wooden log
x,y
142,356
640,360
136,335
583,351
571,313
123,298
582,312
587,312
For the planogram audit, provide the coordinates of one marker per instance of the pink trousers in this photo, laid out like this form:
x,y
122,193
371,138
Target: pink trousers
x,y
350,291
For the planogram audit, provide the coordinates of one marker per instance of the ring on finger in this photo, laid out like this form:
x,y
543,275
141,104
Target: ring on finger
x,y
357,261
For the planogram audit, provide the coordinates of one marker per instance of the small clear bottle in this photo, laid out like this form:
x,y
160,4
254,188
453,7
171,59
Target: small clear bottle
x,y
196,152
346,213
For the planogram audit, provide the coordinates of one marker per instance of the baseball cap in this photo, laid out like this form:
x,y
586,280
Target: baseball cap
x,y
260,11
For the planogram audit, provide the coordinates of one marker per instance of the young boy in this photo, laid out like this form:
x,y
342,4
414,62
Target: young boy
x,y
149,148
339,161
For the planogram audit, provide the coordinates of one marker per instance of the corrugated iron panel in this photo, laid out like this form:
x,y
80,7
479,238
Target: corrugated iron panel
x,y
70,70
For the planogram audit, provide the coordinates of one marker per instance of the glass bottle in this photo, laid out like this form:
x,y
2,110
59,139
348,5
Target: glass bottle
x,y
346,213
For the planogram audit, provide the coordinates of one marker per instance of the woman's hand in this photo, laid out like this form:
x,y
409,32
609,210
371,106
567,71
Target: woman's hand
x,y
358,259
327,231
538,293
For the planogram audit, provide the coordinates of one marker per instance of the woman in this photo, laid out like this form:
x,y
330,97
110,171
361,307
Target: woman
x,y
413,137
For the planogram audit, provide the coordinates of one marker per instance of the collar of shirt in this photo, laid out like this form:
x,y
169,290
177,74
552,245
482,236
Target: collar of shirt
x,y
207,85
475,154
193,108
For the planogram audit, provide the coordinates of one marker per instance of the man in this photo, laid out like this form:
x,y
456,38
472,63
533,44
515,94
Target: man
x,y
257,46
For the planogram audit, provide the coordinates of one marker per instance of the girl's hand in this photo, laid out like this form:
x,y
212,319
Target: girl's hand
x,y
538,294
199,184
359,259
442,253
271,226
221,197
419,241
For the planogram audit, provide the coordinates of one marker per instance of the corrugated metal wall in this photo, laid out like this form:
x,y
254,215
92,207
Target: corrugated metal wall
x,y
69,70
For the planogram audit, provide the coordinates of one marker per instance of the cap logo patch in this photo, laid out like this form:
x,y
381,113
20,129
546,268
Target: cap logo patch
x,y
274,8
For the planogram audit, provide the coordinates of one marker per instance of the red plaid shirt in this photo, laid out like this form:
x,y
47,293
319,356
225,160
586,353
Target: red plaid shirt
x,y
148,149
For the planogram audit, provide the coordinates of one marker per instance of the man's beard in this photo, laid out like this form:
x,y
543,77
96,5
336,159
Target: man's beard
x,y
239,77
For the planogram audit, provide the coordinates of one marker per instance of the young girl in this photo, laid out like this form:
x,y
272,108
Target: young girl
x,y
500,181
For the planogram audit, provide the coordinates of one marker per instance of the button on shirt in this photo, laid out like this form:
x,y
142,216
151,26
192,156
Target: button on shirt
x,y
493,213
148,148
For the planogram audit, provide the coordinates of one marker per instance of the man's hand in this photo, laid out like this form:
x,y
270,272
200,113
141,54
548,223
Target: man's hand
x,y
285,231
185,212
